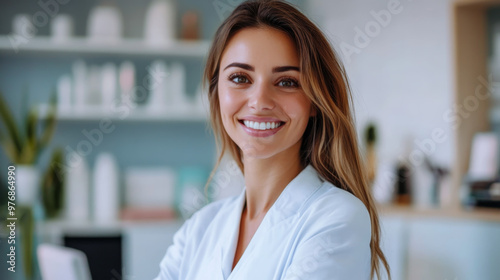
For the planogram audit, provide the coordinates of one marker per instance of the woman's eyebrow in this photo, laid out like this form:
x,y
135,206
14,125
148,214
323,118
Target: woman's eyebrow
x,y
285,68
275,69
241,65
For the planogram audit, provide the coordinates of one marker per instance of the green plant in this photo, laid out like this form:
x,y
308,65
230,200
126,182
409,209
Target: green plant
x,y
370,153
53,185
24,143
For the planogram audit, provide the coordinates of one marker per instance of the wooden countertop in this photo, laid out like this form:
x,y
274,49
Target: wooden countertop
x,y
477,214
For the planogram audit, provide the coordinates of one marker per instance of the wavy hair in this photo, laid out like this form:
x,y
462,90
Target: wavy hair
x,y
329,143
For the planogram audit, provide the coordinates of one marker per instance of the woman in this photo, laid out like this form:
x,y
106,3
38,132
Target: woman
x,y
280,104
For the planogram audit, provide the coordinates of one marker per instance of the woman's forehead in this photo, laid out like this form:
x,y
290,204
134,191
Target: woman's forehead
x,y
263,46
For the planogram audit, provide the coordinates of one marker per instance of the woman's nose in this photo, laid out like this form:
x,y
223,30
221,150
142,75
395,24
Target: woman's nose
x,y
261,98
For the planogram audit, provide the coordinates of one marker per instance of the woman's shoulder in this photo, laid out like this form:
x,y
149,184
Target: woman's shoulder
x,y
331,206
332,198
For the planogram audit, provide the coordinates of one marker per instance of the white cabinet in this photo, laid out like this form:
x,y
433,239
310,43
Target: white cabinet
x,y
451,248
144,247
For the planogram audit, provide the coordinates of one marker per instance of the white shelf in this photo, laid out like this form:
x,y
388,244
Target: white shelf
x,y
82,45
138,114
91,227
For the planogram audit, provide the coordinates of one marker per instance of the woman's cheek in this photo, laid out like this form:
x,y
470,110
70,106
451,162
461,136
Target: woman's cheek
x,y
229,102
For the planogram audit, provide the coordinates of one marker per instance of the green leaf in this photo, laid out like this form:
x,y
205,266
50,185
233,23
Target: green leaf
x,y
49,125
27,235
10,124
24,105
53,185
9,147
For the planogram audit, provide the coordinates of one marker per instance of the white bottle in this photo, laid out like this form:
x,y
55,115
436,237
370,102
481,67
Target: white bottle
x,y
61,28
64,94
77,189
159,26
108,85
126,80
105,24
158,86
105,195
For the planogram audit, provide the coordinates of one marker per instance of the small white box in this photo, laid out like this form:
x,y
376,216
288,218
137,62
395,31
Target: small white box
x,y
149,188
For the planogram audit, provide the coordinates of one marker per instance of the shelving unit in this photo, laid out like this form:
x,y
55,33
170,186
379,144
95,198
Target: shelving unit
x,y
136,115
124,47
83,228
471,73
135,47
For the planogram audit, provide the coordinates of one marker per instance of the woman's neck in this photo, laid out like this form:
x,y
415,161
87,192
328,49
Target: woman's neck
x,y
265,179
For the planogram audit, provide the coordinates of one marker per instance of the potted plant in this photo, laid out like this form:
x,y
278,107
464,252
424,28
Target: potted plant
x,y
22,143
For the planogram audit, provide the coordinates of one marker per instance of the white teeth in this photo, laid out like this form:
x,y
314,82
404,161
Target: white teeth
x,y
262,125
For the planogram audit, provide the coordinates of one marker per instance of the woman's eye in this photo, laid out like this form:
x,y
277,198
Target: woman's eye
x,y
239,79
288,83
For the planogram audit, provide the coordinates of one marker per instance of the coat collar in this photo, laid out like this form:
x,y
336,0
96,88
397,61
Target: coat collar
x,y
289,203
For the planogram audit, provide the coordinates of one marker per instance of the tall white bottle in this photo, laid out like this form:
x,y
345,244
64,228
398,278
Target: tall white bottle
x,y
77,207
106,196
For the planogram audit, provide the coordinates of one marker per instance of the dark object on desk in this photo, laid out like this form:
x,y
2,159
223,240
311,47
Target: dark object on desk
x,y
104,254
403,185
484,194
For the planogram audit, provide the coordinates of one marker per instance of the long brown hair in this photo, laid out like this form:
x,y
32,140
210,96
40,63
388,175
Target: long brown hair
x,y
329,143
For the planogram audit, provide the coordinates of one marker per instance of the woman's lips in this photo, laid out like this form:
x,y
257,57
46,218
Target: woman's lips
x,y
261,128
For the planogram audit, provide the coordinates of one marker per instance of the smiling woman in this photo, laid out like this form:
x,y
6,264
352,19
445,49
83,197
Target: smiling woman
x,y
281,106
259,87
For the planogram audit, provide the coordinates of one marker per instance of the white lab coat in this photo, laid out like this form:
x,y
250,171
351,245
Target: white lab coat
x,y
314,230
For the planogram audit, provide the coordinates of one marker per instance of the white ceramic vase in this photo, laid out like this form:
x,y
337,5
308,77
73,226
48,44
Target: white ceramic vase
x,y
27,184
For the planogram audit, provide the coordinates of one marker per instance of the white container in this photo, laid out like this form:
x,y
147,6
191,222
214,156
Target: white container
x,y
105,189
77,182
105,24
152,187
61,28
126,81
484,156
157,86
64,94
159,26
422,187
27,184
109,83
23,26
384,183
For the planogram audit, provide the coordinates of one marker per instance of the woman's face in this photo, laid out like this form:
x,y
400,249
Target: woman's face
x,y
263,107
